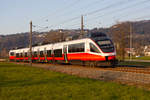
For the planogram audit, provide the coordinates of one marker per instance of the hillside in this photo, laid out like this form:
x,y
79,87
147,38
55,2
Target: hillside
x,y
18,40
142,27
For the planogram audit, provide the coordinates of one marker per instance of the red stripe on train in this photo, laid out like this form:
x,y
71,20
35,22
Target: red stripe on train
x,y
71,56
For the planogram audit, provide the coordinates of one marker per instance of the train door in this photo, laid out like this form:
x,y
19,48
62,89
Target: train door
x,y
65,53
38,55
45,54
23,56
52,54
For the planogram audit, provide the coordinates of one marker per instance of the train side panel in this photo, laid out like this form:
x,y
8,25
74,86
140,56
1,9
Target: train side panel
x,y
81,50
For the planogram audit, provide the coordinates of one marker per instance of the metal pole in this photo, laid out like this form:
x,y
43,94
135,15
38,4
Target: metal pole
x,y
30,44
130,41
82,27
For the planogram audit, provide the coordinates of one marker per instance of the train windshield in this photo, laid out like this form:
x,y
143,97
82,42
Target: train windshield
x,y
106,45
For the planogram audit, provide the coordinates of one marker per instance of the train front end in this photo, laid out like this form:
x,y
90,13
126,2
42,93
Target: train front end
x,y
106,47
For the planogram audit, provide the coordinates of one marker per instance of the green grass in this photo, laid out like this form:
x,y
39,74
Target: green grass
x,y
143,58
140,58
27,83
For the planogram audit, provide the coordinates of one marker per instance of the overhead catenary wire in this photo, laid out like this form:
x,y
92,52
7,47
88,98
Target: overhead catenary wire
x,y
118,10
104,8
85,14
86,6
94,2
123,16
122,9
38,26
41,29
77,1
66,21
145,16
97,11
55,12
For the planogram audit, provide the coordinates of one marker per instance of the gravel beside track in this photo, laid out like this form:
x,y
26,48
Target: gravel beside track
x,y
99,73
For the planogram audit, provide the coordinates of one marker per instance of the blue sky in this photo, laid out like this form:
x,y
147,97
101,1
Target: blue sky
x,y
65,14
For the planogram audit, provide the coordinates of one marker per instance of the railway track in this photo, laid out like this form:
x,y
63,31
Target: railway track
x,y
120,68
123,68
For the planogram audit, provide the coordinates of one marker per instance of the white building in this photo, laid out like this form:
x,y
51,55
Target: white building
x,y
147,50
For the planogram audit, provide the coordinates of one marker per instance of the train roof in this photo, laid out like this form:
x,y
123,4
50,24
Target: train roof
x,y
96,34
48,46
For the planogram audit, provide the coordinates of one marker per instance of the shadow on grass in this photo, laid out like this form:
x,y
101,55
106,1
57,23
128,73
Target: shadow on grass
x,y
11,66
24,82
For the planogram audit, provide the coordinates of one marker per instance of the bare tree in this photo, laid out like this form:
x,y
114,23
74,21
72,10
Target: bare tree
x,y
55,36
120,37
4,53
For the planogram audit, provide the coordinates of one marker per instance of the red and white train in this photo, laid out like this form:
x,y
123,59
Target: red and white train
x,y
94,50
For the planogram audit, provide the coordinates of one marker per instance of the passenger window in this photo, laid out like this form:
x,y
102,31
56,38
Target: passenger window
x,y
41,54
35,54
26,54
17,54
58,53
93,48
21,55
48,53
12,53
76,48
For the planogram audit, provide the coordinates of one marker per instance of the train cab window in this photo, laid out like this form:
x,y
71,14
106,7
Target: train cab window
x,y
41,53
76,48
48,53
12,54
35,54
26,54
93,48
58,53
17,54
106,45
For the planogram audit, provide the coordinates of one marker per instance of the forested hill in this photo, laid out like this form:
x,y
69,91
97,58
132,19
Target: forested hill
x,y
142,27
22,39
18,40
